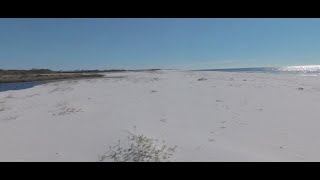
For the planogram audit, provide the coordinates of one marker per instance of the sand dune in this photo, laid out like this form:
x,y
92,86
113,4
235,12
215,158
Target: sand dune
x,y
209,116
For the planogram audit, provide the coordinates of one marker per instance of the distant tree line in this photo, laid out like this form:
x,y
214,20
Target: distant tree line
x,y
31,71
48,71
92,71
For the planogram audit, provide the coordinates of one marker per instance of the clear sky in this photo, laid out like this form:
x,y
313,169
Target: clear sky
x,y
157,43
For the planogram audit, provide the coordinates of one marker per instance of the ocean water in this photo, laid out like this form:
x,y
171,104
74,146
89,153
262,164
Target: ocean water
x,y
308,70
18,86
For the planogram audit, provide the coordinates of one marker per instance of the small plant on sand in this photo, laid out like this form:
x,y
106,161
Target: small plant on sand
x,y
64,109
10,96
202,79
139,148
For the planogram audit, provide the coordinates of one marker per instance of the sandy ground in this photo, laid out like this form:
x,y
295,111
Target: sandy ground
x,y
221,117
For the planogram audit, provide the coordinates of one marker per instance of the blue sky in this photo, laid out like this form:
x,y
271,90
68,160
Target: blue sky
x,y
157,43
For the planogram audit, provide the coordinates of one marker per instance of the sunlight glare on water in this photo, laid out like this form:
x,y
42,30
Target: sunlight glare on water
x,y
301,69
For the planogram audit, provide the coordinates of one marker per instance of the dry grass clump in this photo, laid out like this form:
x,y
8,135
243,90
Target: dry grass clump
x,y
64,109
139,148
10,96
202,79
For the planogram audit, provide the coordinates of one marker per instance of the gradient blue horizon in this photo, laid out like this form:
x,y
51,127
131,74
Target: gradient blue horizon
x,y
67,44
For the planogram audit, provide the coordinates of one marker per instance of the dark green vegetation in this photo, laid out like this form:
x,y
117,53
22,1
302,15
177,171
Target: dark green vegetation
x,y
23,72
9,76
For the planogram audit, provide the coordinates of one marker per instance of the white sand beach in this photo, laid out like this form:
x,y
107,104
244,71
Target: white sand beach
x,y
225,116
